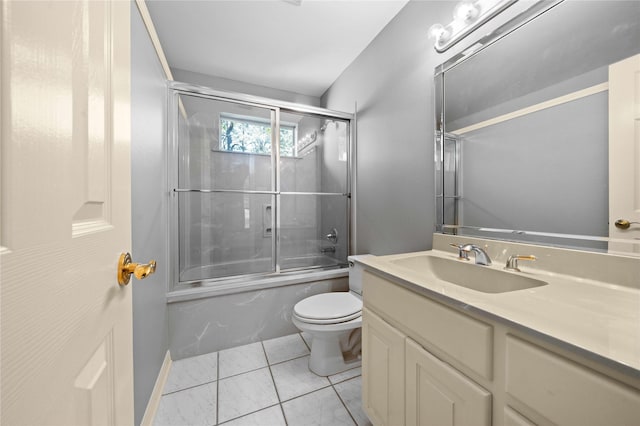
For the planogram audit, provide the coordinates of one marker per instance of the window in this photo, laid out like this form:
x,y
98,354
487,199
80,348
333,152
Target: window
x,y
253,135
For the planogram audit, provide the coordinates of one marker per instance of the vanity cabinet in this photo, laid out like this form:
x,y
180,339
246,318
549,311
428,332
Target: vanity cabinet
x,y
405,384
425,363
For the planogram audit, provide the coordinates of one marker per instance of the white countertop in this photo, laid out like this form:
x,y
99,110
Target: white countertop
x,y
597,319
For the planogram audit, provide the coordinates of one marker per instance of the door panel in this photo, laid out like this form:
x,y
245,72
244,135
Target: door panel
x,y
624,153
66,349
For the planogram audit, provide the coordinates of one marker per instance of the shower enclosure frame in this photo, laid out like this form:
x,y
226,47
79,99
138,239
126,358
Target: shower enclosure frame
x,y
243,281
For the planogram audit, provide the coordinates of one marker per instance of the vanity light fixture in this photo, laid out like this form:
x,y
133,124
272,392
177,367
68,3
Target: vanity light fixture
x,y
468,15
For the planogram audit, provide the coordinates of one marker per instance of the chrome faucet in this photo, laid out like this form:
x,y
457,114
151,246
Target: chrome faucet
x,y
482,258
331,249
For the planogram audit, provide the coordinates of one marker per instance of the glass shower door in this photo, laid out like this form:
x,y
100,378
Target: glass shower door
x,y
226,192
314,198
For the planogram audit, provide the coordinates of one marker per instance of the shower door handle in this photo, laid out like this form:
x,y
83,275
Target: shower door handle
x,y
267,219
140,270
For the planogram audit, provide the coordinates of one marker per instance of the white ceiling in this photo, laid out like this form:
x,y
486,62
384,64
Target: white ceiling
x,y
298,46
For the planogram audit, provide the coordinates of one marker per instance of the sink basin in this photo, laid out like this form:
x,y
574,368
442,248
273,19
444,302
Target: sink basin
x,y
469,275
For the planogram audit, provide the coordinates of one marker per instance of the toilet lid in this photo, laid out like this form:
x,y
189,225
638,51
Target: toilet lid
x,y
328,321
329,308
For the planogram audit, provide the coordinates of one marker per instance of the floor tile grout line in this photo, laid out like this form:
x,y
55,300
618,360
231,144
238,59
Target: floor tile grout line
x,y
217,386
247,371
281,402
287,360
346,380
319,389
244,372
284,416
273,380
260,368
295,357
189,387
344,405
305,394
305,342
248,414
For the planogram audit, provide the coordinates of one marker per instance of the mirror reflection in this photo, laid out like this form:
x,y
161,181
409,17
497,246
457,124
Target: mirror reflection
x,y
526,125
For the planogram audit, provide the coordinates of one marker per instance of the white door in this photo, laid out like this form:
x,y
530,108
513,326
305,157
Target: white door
x,y
66,348
624,154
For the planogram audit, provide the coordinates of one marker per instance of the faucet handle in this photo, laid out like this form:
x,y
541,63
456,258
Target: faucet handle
x,y
463,250
333,236
512,262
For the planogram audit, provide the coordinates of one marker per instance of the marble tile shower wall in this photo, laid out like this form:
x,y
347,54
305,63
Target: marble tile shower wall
x,y
263,383
235,227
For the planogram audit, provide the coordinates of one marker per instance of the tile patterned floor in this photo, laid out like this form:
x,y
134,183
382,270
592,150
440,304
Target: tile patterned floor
x,y
264,384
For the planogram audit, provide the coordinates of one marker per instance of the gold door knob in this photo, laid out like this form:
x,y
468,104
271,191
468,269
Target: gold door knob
x,y
623,224
139,270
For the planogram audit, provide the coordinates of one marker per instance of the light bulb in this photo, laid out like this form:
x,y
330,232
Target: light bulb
x,y
465,11
439,33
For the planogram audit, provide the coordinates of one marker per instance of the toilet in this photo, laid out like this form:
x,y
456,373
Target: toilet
x,y
334,321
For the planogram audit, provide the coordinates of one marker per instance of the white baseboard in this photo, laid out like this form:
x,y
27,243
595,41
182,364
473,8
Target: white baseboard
x,y
154,400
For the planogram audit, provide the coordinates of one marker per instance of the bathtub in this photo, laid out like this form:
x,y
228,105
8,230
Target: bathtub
x,y
217,274
209,316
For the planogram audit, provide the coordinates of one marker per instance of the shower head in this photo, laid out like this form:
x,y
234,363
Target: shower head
x,y
326,123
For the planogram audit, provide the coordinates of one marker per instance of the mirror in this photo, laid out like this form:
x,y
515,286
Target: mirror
x,y
522,128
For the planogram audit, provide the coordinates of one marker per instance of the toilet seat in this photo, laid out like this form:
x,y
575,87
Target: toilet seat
x,y
328,308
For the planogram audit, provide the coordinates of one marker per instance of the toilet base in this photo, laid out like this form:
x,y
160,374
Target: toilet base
x,y
327,357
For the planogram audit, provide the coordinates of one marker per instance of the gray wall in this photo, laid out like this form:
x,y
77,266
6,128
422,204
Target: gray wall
x,y
392,83
219,83
149,212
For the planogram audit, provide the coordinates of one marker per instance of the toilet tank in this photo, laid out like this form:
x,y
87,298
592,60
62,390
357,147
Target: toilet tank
x,y
355,273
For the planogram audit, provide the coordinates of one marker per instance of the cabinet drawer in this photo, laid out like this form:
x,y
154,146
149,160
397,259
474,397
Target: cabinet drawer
x,y
565,392
465,339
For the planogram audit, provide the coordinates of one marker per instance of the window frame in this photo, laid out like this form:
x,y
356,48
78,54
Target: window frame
x,y
257,121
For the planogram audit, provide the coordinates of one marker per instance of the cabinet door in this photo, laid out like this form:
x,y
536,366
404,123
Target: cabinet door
x,y
513,418
382,371
437,394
